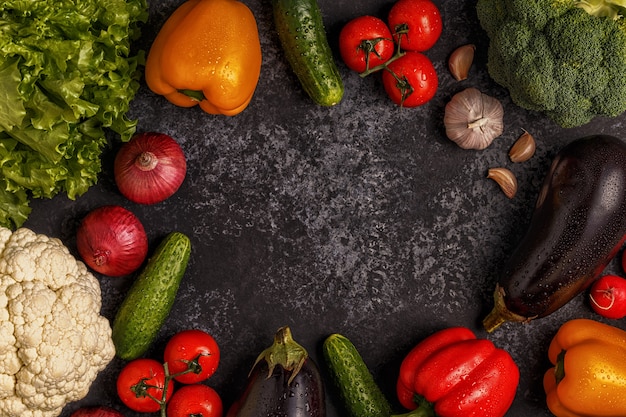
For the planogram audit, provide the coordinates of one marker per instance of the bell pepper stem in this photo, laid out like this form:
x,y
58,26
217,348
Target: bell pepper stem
x,y
559,369
193,94
418,412
424,408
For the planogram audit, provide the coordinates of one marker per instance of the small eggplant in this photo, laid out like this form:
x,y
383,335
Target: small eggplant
x,y
577,227
284,382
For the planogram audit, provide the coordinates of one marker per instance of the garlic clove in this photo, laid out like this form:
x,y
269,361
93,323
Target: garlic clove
x,y
460,61
505,179
523,149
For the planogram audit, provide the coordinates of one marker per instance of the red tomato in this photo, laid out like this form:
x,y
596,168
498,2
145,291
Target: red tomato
x,y
417,22
365,42
196,400
410,80
139,381
195,350
608,296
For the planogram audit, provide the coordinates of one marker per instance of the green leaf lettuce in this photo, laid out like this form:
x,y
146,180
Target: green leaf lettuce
x,y
67,76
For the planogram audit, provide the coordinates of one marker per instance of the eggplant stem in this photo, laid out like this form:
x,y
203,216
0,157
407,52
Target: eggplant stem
x,y
500,314
285,352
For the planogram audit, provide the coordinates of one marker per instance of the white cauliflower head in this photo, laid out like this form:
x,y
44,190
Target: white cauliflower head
x,y
53,340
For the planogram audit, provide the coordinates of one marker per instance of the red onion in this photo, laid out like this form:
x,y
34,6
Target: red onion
x,y
149,168
100,411
112,241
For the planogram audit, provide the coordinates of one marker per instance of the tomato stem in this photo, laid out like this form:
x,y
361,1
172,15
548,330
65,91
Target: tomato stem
x,y
382,66
403,85
192,366
368,46
398,54
140,389
166,384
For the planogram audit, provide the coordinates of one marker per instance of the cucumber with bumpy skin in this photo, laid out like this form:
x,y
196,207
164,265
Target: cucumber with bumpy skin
x,y
303,38
359,392
150,298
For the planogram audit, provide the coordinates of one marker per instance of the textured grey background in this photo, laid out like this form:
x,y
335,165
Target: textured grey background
x,y
362,219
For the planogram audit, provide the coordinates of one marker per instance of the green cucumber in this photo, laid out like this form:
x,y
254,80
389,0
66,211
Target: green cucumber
x,y
356,386
150,298
303,38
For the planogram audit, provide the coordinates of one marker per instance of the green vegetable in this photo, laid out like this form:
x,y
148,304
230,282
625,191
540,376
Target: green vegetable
x,y
565,58
150,299
66,75
357,388
303,38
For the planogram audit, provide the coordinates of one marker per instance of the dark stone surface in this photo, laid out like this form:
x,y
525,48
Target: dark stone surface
x,y
362,219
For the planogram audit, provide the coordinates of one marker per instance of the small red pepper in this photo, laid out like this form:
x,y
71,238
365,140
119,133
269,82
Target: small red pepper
x,y
453,374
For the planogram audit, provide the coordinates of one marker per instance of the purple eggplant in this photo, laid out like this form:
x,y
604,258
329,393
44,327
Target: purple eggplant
x,y
577,227
284,382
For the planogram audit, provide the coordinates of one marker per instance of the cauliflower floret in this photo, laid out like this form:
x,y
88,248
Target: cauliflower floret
x,y
53,340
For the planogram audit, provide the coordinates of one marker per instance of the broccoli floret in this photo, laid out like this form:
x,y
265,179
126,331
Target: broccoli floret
x,y
492,15
555,57
514,55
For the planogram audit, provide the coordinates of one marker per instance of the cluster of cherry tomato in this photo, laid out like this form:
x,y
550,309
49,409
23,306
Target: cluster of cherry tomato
x,y
367,44
191,356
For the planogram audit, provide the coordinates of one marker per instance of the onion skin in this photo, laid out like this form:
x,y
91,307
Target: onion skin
x,y
112,241
149,168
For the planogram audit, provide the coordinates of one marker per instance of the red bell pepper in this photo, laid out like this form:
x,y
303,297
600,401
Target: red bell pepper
x,y
453,374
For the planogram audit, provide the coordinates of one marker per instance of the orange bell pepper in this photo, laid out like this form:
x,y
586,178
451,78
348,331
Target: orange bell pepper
x,y
589,376
207,53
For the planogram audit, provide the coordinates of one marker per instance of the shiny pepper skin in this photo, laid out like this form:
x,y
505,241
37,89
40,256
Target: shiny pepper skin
x,y
451,373
207,53
589,376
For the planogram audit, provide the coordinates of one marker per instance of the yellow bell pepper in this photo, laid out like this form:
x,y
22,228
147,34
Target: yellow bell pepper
x,y
207,53
589,377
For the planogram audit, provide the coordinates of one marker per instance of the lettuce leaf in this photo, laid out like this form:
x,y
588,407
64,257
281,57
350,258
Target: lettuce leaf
x,y
67,76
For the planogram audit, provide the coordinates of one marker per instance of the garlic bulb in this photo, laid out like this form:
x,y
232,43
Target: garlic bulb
x,y
473,119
